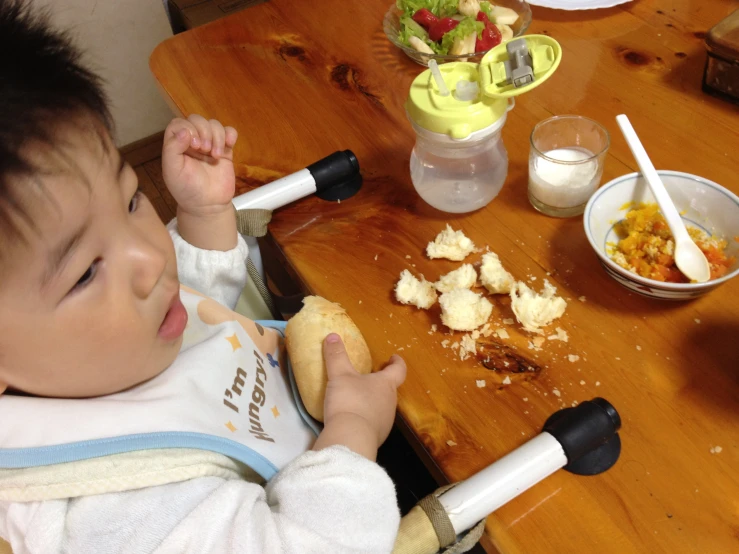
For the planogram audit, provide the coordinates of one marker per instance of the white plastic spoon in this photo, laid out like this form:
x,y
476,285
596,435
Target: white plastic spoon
x,y
688,257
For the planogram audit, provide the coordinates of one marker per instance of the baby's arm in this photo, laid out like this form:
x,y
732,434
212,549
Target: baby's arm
x,y
198,169
332,501
197,165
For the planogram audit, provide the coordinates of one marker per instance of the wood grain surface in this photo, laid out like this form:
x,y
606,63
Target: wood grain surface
x,y
300,80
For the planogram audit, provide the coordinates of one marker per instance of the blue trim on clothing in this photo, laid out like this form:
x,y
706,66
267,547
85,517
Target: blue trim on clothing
x,y
84,450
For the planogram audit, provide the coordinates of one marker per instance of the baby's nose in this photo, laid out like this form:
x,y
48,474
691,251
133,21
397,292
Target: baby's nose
x,y
148,264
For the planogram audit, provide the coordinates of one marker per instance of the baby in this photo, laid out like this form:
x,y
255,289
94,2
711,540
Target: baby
x,y
95,348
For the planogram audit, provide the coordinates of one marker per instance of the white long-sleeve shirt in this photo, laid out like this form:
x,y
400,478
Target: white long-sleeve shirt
x,y
331,501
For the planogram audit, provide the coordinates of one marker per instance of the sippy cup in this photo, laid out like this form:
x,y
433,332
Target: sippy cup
x,y
459,162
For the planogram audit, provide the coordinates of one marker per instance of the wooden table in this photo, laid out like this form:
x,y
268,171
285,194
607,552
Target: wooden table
x,y
301,80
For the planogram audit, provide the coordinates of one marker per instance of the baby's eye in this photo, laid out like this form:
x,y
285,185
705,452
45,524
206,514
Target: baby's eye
x,y
134,203
87,276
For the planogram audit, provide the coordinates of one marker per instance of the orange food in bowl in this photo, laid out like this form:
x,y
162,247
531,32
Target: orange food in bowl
x,y
647,247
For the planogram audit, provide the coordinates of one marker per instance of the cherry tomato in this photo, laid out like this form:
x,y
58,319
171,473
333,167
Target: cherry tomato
x,y
425,18
442,27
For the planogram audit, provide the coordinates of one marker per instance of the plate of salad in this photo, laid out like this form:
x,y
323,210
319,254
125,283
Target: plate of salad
x,y
454,30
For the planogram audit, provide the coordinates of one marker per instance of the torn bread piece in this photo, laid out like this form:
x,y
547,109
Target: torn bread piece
x,y
533,310
493,275
464,277
417,292
464,310
450,244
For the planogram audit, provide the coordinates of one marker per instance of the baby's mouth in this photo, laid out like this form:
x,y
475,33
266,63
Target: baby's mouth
x,y
175,321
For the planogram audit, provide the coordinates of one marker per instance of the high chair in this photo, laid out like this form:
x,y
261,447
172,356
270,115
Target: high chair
x,y
583,440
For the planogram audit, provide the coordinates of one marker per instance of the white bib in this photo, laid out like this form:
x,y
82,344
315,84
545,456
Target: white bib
x,y
229,391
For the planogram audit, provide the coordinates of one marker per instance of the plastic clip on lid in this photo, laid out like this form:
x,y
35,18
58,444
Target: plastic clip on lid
x,y
480,92
519,66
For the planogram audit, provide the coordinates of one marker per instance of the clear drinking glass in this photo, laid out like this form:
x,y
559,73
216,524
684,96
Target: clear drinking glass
x,y
566,163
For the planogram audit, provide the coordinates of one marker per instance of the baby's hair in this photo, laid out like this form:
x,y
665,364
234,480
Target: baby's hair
x,y
42,85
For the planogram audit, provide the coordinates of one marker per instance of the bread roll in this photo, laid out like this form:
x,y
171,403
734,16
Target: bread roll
x,y
304,338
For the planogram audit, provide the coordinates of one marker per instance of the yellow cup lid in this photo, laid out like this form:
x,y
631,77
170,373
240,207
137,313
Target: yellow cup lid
x,y
459,118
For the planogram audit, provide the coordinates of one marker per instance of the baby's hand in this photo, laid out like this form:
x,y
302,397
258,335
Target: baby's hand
x,y
359,410
197,165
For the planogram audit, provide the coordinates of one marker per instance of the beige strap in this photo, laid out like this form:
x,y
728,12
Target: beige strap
x,y
427,527
468,541
253,223
439,519
261,287
416,535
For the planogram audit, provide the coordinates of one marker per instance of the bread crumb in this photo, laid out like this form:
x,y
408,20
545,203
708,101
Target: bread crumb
x,y
407,257
525,399
502,334
433,328
716,450
493,276
414,291
582,299
538,341
526,412
480,383
360,301
561,335
573,357
574,403
507,380
638,347
533,310
464,310
376,257
450,244
582,382
486,330
697,320
401,349
445,343
467,348
618,359
509,321
556,393
451,443
475,335
463,277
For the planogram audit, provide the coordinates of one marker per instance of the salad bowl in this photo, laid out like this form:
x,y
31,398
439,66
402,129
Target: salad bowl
x,y
394,29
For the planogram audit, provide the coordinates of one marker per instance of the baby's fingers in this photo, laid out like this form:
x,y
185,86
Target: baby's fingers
x,y
231,136
203,140
178,136
395,371
219,138
335,357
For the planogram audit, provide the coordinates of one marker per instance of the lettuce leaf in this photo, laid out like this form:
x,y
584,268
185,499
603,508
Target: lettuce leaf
x,y
487,8
409,28
440,8
465,27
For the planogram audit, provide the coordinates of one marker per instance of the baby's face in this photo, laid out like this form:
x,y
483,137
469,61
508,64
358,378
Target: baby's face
x,y
90,297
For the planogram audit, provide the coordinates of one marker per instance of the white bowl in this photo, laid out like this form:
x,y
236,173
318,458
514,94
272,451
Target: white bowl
x,y
701,203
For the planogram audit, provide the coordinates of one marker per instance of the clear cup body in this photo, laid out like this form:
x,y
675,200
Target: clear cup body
x,y
459,176
566,162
